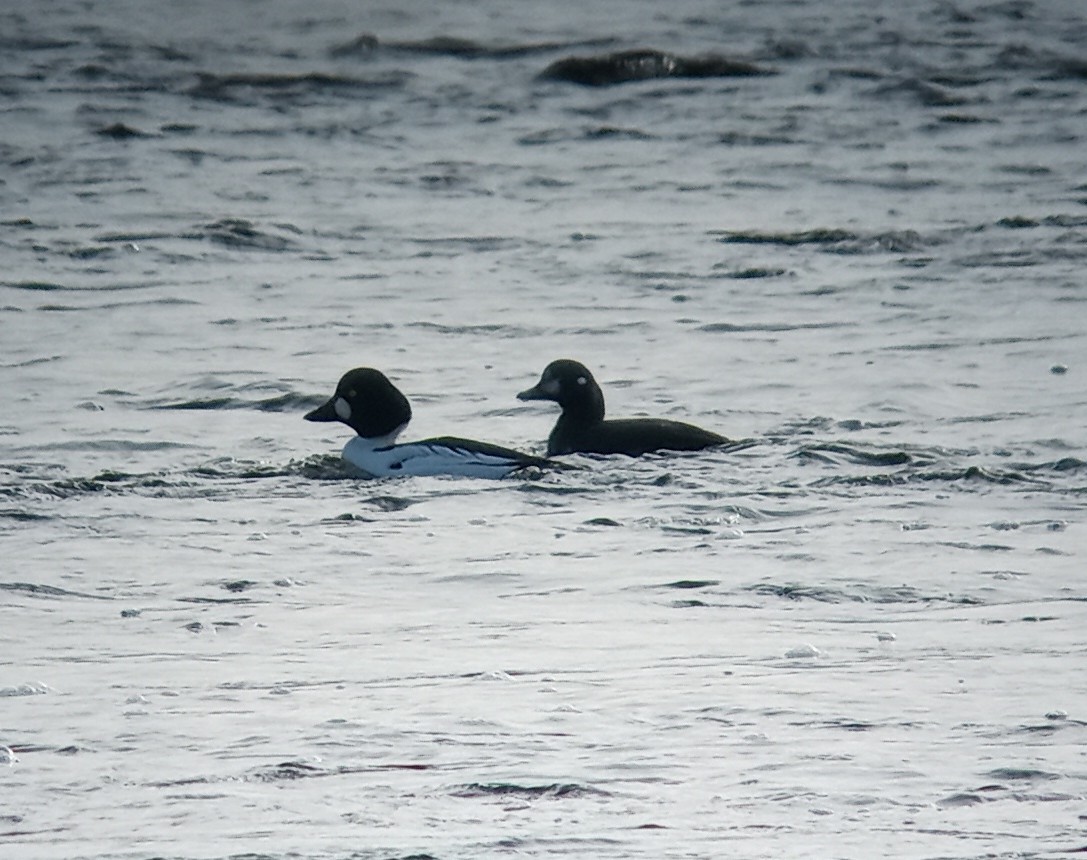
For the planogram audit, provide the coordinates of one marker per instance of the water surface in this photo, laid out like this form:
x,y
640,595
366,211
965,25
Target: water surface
x,y
861,635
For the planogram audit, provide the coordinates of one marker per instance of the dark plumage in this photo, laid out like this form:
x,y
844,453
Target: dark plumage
x,y
386,410
581,427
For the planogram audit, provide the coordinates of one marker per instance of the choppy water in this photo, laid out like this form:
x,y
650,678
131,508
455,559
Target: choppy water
x,y
861,636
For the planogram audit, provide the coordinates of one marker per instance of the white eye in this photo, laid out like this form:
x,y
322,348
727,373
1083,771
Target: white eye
x,y
343,408
581,380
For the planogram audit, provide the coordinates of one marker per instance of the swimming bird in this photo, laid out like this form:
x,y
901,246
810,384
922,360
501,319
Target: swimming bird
x,y
368,403
581,427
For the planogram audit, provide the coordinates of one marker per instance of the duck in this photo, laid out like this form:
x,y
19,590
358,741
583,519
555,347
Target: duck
x,y
582,429
367,402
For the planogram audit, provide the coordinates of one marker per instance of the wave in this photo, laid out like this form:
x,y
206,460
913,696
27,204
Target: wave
x,y
691,584
289,771
240,233
856,593
366,45
965,474
838,467
231,232
32,689
754,272
1020,222
830,452
770,327
291,402
201,480
916,465
1049,65
923,464
833,240
242,87
647,64
924,93
488,329
35,589
546,791
21,516
54,287
121,131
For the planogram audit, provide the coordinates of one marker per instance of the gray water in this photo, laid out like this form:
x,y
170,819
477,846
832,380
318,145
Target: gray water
x,y
862,636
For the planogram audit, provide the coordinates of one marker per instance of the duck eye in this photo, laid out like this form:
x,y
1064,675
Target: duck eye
x,y
581,380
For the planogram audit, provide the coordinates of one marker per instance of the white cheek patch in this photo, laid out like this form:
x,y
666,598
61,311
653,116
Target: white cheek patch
x,y
343,409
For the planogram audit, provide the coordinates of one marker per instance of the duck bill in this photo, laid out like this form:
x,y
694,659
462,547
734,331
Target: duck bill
x,y
540,391
327,412
533,393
